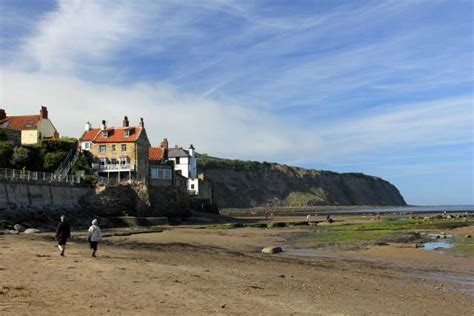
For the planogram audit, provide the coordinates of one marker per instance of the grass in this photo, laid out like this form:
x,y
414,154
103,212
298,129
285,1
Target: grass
x,y
384,230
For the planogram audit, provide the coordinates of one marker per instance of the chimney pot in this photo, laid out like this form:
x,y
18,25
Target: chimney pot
x,y
126,123
104,125
164,143
142,124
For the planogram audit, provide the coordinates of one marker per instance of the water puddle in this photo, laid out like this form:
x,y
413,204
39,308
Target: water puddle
x,y
437,245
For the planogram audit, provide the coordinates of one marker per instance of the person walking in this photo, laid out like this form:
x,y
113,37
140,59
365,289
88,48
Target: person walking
x,y
63,232
94,236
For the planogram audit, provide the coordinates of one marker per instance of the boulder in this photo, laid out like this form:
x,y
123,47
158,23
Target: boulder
x,y
32,231
13,232
271,250
468,236
19,228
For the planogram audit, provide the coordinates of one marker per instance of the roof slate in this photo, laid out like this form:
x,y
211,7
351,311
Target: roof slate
x,y
21,122
177,152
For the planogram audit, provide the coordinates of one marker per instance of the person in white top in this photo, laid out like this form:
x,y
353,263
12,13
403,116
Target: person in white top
x,y
94,236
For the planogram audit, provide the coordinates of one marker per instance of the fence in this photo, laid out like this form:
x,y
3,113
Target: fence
x,y
36,176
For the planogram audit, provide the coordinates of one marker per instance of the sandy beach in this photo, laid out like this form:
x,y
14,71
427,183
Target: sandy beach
x,y
195,271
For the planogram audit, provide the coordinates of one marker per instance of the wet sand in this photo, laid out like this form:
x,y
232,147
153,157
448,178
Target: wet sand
x,y
193,271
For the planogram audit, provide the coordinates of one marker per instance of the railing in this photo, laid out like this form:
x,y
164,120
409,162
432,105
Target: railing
x,y
37,176
66,165
113,167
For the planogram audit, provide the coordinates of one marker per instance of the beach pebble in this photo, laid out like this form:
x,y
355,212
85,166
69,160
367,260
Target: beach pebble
x,y
19,228
468,236
271,250
32,231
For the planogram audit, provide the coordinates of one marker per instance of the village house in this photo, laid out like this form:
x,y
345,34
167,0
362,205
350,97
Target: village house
x,y
185,165
118,152
161,170
184,162
31,128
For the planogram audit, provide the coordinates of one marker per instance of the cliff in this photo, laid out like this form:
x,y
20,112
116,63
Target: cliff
x,y
242,184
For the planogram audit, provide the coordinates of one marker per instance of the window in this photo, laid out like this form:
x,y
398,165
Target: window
x,y
123,161
113,161
113,147
102,148
105,134
102,162
126,133
178,172
124,147
160,173
177,160
87,145
192,186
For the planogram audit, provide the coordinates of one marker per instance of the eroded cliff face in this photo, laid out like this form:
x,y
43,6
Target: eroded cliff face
x,y
255,184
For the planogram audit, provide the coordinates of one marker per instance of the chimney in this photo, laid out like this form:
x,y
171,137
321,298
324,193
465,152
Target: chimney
x,y
125,121
142,124
88,126
44,112
3,114
164,143
191,150
104,125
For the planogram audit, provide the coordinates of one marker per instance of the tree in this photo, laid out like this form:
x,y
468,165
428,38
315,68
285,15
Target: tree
x,y
6,152
52,160
20,156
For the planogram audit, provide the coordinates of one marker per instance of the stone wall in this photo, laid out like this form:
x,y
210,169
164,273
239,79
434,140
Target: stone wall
x,y
136,199
41,204
18,194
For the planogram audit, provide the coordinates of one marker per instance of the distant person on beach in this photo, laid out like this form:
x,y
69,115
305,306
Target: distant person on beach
x,y
63,232
94,236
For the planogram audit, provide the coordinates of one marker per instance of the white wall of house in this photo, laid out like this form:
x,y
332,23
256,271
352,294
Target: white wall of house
x,y
182,166
86,146
193,186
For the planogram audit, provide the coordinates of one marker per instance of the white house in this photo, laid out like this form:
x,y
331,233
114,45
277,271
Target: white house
x,y
185,164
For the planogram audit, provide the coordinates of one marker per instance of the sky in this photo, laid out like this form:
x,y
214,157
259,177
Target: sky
x,y
379,87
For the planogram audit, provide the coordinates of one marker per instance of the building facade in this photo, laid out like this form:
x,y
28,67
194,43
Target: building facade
x,y
118,152
185,165
33,128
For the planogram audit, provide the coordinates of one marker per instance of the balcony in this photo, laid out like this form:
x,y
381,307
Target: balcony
x,y
113,167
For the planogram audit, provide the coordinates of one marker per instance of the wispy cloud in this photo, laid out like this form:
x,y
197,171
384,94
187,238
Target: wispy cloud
x,y
338,84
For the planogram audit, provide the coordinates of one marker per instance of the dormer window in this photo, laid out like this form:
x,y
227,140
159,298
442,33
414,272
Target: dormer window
x,y
126,133
105,134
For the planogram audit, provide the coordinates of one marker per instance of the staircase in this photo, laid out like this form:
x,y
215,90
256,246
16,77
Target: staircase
x,y
66,165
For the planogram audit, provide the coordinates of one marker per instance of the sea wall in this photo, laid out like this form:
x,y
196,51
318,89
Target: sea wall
x,y
16,195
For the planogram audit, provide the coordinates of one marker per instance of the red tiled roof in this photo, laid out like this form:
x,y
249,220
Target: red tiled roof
x,y
21,122
155,153
89,135
117,135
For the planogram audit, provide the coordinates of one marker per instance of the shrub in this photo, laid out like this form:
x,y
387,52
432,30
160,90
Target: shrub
x,y
6,152
20,156
52,160
3,135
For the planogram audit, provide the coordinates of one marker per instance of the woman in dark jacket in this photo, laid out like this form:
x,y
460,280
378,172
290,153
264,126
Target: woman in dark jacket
x,y
63,232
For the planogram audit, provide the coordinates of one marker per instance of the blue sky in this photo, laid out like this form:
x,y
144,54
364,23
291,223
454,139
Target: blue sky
x,y
380,87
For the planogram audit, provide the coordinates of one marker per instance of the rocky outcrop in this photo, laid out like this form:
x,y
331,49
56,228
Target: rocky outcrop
x,y
241,184
136,200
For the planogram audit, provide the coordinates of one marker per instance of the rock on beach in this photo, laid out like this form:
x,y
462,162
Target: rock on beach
x,y
271,250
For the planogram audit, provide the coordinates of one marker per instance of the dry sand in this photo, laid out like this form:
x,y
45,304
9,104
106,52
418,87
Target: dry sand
x,y
186,270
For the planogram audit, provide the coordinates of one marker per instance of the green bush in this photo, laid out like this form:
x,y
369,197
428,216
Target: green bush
x,y
6,152
20,157
52,160
3,135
